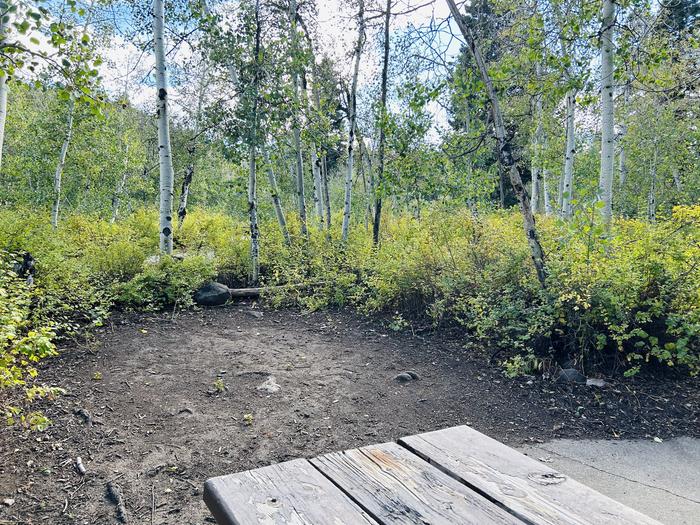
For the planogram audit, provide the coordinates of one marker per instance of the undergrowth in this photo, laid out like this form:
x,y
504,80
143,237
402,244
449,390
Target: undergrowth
x,y
624,300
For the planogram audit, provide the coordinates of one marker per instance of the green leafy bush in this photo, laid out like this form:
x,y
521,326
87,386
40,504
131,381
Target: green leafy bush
x,y
620,300
165,283
22,344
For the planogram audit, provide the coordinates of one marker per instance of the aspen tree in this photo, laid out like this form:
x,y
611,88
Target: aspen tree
x,y
164,146
352,116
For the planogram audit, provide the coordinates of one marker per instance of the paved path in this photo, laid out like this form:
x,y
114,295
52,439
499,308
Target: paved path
x,y
661,480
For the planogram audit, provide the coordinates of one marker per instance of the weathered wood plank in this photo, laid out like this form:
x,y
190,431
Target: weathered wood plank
x,y
527,488
395,486
293,492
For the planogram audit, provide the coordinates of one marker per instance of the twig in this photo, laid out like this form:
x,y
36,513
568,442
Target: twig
x,y
116,497
153,502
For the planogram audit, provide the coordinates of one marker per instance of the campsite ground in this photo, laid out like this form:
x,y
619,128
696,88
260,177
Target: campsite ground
x,y
158,404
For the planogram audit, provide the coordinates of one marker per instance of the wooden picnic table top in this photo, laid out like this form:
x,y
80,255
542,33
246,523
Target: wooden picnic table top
x,y
456,475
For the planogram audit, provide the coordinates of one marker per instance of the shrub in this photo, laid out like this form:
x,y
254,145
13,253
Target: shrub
x,y
165,283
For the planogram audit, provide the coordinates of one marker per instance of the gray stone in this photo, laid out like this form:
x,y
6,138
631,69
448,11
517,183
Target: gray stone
x,y
270,386
212,294
254,313
594,381
403,377
569,375
414,375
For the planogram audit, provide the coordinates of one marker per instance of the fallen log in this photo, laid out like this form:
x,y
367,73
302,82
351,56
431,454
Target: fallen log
x,y
258,291
217,294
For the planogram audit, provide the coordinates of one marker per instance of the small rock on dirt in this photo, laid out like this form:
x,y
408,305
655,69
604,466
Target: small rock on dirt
x,y
254,313
569,375
212,294
404,377
594,381
8,502
269,386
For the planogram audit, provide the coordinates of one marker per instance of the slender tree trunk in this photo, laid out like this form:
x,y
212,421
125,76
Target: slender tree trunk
x,y
677,178
623,132
185,189
253,144
318,190
352,100
274,194
192,150
58,175
253,214
545,193
367,178
537,147
326,193
382,124
164,147
651,200
535,199
296,125
505,153
607,108
116,200
567,186
3,89
3,111
315,164
4,20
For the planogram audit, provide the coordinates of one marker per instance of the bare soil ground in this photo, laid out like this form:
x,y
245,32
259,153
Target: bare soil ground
x,y
143,412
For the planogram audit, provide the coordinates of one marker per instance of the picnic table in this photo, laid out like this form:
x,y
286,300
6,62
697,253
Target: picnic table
x,y
456,475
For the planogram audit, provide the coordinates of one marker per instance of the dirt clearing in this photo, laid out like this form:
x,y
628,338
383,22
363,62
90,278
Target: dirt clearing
x,y
158,404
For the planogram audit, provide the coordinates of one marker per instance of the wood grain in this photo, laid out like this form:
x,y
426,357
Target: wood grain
x,y
293,492
529,489
397,487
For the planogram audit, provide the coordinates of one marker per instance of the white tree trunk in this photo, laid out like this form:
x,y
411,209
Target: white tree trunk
x,y
116,200
318,192
537,151
567,186
651,200
192,148
623,132
296,131
164,148
3,111
326,194
607,108
274,193
535,197
545,193
253,214
677,178
58,175
3,90
253,146
352,100
318,187
315,168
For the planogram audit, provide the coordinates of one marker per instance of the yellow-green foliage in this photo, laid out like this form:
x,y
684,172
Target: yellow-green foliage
x,y
617,299
22,345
